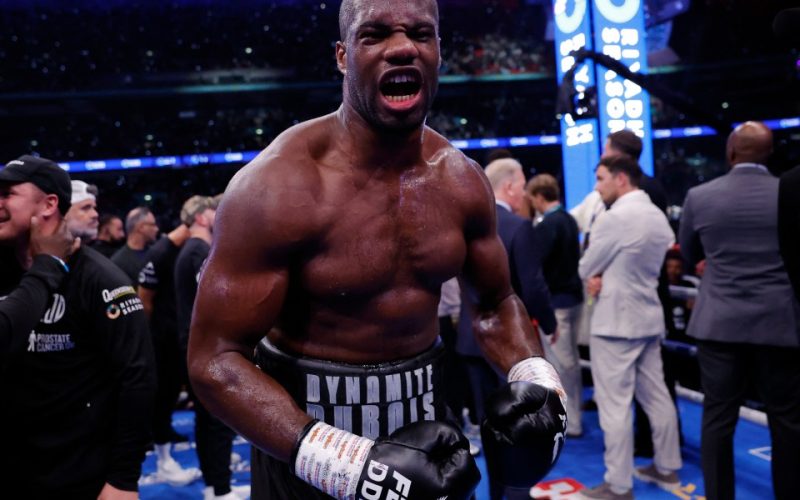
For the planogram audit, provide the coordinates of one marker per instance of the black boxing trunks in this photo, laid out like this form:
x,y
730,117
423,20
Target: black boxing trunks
x,y
371,400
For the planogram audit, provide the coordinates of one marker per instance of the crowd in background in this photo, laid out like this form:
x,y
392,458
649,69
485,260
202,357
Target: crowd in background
x,y
146,44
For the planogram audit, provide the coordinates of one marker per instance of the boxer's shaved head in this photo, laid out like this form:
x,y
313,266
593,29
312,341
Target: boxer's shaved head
x,y
346,14
349,8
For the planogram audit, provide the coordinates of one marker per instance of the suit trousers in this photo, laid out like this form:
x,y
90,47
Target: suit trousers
x,y
725,370
214,447
169,377
622,368
565,359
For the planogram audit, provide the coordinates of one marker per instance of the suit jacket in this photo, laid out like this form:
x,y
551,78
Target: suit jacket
x,y
628,246
789,225
557,235
655,190
745,295
524,260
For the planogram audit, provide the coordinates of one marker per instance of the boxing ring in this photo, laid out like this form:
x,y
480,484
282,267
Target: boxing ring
x,y
581,462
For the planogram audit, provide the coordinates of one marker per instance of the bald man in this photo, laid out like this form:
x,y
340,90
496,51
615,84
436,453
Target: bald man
x,y
744,317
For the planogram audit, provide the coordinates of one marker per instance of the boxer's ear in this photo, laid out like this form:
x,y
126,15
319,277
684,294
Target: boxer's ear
x,y
341,57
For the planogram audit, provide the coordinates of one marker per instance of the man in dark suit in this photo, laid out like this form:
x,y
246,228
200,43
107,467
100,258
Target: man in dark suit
x,y
557,233
508,183
789,225
744,317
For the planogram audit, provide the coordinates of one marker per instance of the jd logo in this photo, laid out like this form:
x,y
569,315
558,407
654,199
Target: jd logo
x,y
373,489
56,311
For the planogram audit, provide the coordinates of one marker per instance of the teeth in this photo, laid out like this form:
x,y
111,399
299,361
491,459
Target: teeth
x,y
399,98
402,79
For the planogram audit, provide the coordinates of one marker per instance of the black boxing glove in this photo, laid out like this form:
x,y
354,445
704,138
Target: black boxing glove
x,y
525,424
423,460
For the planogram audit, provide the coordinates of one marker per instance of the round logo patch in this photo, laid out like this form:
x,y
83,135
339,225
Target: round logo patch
x,y
113,311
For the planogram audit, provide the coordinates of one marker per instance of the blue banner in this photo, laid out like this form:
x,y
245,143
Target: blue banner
x,y
580,140
242,157
619,32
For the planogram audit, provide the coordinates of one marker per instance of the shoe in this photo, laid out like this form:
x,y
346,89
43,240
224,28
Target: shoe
x,y
241,492
603,492
474,449
235,458
574,434
650,474
171,472
236,493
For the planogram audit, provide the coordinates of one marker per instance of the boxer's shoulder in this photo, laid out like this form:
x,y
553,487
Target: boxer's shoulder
x,y
463,179
289,161
460,173
278,191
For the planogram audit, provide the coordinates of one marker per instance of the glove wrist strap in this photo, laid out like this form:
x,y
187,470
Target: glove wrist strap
x,y
331,460
538,371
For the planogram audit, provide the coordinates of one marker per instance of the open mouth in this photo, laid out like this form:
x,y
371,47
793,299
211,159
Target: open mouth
x,y
401,87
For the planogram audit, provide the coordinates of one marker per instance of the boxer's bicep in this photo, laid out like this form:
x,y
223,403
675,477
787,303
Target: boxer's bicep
x,y
502,328
486,264
240,295
238,301
486,269
244,282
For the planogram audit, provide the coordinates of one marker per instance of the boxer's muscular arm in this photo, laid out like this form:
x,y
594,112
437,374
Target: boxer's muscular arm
x,y
502,327
239,297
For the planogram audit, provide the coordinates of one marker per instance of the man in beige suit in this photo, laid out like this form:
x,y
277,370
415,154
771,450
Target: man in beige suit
x,y
621,266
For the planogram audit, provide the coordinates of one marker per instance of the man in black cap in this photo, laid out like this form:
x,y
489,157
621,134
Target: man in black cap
x,y
78,400
21,309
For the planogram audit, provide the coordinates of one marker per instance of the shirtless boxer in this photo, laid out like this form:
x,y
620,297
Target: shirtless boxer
x,y
339,235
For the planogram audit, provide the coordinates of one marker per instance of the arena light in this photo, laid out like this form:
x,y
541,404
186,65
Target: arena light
x,y
241,157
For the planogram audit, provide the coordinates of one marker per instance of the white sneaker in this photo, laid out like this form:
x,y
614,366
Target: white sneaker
x,y
236,493
171,472
241,492
235,458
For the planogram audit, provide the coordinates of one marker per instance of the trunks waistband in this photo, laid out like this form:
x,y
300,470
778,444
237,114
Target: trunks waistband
x,y
370,400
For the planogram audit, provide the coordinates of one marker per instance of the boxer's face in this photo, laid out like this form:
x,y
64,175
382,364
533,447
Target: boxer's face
x,y
391,60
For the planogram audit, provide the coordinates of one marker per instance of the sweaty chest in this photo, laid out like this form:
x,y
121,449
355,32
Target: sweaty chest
x,y
383,238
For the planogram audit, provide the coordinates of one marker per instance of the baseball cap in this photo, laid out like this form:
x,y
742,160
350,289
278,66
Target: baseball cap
x,y
44,174
196,205
80,192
